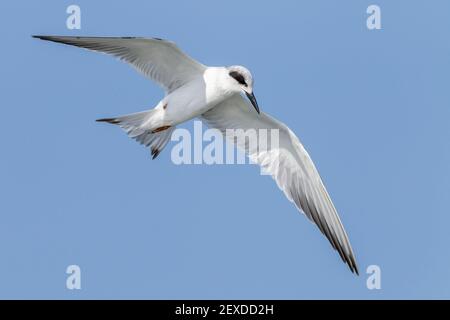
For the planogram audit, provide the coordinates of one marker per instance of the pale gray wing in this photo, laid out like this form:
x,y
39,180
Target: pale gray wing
x,y
160,60
288,163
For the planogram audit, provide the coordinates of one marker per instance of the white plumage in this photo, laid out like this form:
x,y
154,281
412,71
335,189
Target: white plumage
x,y
213,94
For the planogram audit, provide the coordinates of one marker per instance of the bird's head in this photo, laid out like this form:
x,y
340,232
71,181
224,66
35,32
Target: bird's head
x,y
242,81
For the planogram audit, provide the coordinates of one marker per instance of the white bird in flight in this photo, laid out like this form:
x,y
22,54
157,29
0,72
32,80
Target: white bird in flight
x,y
213,94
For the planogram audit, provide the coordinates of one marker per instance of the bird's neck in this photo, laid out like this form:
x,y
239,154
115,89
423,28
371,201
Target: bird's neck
x,y
218,86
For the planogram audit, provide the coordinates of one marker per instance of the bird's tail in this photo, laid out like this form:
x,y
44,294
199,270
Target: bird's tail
x,y
139,126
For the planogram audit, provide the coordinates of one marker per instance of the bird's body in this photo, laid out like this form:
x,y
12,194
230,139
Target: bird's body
x,y
181,105
214,94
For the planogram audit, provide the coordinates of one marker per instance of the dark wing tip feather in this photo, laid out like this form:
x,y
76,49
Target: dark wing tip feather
x,y
312,211
109,120
349,259
42,37
62,38
356,269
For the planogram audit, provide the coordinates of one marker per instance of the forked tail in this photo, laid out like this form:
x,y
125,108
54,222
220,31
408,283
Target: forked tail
x,y
139,126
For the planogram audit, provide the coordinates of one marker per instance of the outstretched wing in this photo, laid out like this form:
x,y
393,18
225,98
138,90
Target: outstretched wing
x,y
289,164
160,60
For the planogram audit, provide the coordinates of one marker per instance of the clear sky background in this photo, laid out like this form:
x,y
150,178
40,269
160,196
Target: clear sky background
x,y
371,107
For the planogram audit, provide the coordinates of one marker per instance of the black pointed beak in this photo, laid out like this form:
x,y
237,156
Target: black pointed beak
x,y
252,99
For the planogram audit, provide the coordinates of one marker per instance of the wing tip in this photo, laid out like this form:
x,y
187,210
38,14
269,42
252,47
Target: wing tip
x,y
354,268
351,262
109,120
37,36
47,38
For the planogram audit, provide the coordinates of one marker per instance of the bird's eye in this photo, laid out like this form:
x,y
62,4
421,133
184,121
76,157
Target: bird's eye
x,y
238,77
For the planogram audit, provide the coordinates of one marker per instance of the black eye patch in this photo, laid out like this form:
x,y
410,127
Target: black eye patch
x,y
238,77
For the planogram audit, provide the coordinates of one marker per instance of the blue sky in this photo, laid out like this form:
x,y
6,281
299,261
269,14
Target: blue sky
x,y
371,107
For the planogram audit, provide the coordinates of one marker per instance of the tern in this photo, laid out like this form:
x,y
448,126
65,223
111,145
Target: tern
x,y
216,96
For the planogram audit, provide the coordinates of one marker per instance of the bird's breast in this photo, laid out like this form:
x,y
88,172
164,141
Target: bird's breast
x,y
193,99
